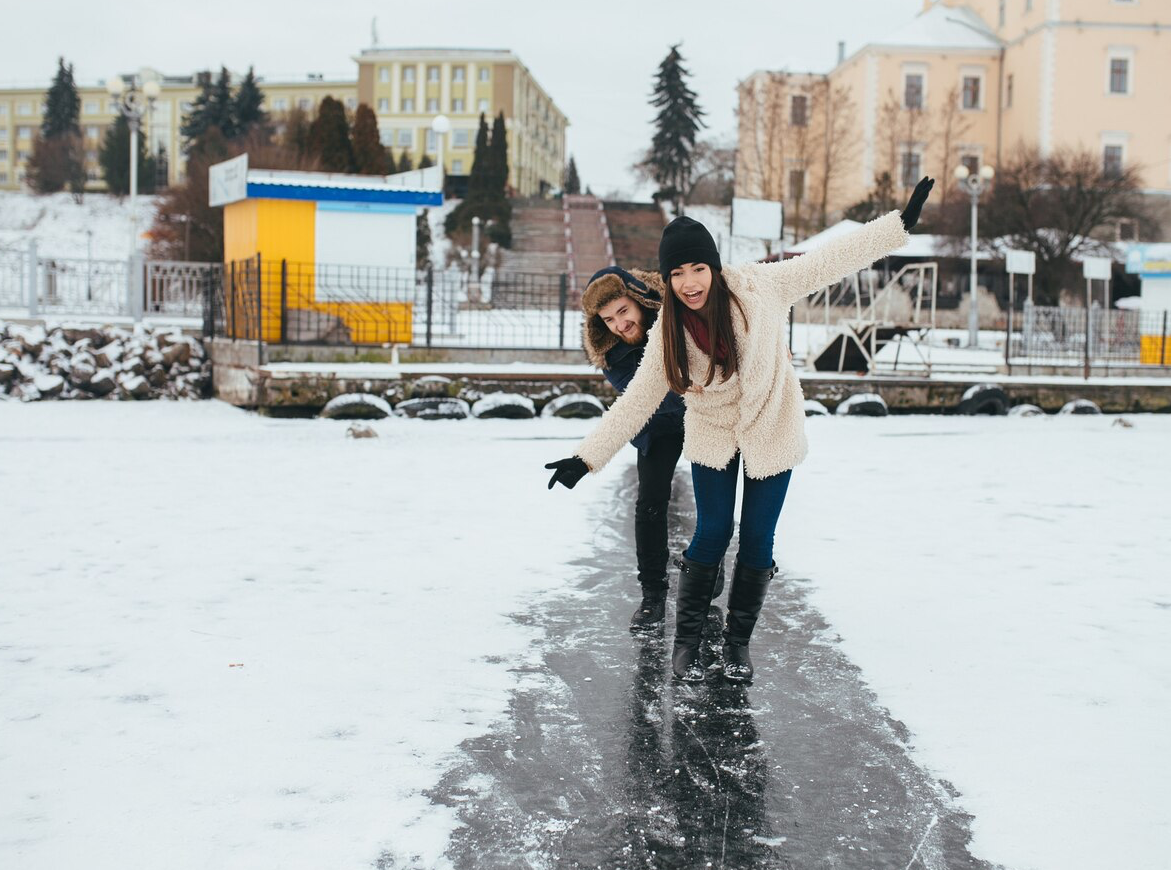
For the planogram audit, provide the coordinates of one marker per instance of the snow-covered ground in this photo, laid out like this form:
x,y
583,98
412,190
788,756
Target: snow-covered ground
x,y
229,641
98,227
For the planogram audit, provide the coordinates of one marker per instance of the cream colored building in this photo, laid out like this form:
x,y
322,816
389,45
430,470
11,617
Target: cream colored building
x,y
973,81
405,87
408,87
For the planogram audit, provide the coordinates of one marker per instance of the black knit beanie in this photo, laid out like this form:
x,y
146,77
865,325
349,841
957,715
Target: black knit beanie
x,y
686,241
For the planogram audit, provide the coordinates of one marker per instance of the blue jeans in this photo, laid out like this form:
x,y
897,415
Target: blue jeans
x,y
715,501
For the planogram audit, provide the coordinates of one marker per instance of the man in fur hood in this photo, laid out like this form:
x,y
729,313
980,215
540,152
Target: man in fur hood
x,y
619,308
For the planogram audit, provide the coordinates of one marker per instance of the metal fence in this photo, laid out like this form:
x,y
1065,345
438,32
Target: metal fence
x,y
179,288
282,302
1063,336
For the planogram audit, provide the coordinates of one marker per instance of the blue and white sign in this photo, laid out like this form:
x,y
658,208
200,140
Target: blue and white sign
x,y
1149,260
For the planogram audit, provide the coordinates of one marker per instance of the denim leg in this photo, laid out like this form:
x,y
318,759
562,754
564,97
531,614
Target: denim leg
x,y
715,504
656,469
760,510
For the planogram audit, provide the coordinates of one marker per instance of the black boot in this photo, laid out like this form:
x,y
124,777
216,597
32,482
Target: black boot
x,y
749,587
649,616
697,582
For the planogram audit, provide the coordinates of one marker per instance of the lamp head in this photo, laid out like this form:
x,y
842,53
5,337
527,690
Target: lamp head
x,y
987,172
151,89
116,86
441,124
962,173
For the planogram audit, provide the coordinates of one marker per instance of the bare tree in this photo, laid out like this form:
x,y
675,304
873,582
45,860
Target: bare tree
x,y
713,173
953,125
761,157
835,114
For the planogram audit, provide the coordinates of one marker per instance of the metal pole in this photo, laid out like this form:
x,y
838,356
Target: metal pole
x,y
1089,293
232,304
973,314
1008,330
133,183
259,309
33,265
474,278
1163,341
284,300
562,297
430,301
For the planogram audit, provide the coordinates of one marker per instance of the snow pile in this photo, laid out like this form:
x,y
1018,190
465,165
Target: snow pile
x,y
81,362
356,406
97,227
509,406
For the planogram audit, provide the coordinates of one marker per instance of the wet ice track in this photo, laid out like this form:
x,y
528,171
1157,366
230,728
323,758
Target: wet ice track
x,y
605,762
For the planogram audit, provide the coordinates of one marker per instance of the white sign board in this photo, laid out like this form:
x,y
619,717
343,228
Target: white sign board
x,y
1020,262
1097,268
757,219
228,181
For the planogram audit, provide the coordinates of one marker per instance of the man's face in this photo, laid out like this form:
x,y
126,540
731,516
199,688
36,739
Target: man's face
x,y
624,317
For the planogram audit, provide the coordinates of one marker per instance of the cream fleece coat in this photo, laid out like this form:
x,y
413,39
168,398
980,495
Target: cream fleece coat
x,y
759,411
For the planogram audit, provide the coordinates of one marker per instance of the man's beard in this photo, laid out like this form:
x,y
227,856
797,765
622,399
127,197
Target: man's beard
x,y
635,337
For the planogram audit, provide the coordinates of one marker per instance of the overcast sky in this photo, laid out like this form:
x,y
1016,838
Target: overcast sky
x,y
596,59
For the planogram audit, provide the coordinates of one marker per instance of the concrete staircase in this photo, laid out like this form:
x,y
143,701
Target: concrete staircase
x,y
635,229
588,244
538,238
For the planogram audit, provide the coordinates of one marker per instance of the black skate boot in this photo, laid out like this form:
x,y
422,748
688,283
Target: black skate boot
x,y
697,582
745,599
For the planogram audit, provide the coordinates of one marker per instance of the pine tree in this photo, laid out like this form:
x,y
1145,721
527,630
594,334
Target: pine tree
x,y
220,106
572,182
196,122
498,179
422,240
329,137
295,136
391,169
425,162
247,113
57,163
369,155
62,104
114,157
477,178
404,162
678,121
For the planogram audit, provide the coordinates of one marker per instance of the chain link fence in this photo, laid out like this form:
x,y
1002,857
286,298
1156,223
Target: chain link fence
x,y
1063,336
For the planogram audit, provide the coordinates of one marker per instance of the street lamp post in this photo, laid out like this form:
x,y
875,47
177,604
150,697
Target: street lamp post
x,y
441,124
974,184
132,104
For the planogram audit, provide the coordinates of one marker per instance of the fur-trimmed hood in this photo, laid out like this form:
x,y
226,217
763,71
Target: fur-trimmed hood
x,y
606,285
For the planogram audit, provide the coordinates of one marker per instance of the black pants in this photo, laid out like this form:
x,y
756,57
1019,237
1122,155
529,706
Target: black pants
x,y
656,468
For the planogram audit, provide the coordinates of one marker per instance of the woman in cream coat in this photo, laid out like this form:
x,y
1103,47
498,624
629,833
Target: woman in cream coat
x,y
731,325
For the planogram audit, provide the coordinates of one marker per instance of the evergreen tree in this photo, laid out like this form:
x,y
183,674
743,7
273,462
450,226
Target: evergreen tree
x,y
329,137
247,113
498,161
422,240
196,122
220,105
425,162
572,182
404,162
62,104
391,169
477,178
114,158
295,135
676,125
57,163
369,156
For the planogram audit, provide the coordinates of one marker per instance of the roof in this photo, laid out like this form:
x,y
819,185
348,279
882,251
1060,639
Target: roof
x,y
942,27
417,187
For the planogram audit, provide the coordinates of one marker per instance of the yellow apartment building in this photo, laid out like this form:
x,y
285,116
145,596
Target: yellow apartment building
x,y
407,88
964,82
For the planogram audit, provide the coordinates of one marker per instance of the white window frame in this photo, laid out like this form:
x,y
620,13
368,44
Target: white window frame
x,y
304,104
465,135
485,74
409,75
384,74
386,137
918,150
24,134
91,107
433,104
432,141
25,110
434,73
457,105
482,105
457,167
351,103
404,138
980,74
1115,139
408,105
459,74
3,110
916,69
1120,52
384,105
3,134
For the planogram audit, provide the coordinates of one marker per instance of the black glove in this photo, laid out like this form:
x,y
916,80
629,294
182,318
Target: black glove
x,y
910,214
568,471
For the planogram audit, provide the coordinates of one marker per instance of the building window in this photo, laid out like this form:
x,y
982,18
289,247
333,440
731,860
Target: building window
x,y
457,167
796,184
91,131
460,138
351,103
386,136
111,108
910,168
21,156
432,73
1127,230
3,177
1028,5
1008,91
432,104
457,105
458,73
971,162
406,138
3,110
797,111
408,104
1119,75
24,133
384,74
482,106
409,74
383,105
24,109
431,140
304,104
4,154
971,92
1112,161
485,73
91,107
3,134
913,91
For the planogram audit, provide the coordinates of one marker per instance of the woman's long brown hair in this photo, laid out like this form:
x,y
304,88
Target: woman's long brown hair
x,y
717,314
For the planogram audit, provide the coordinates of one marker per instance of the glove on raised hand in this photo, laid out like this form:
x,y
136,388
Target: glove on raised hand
x,y
568,471
910,214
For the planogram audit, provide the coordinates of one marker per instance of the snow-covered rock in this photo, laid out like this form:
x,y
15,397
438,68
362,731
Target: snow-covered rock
x,y
574,406
509,406
356,406
863,405
1080,406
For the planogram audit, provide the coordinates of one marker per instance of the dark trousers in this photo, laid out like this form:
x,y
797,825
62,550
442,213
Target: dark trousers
x,y
715,503
656,468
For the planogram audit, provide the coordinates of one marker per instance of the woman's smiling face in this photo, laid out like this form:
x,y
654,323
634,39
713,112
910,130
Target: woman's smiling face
x,y
691,284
